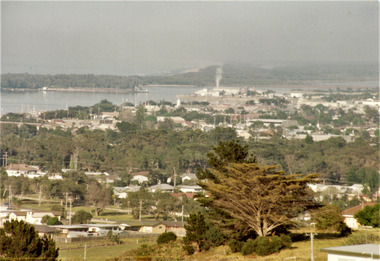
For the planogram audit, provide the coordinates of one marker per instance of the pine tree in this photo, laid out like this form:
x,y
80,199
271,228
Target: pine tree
x,y
262,198
20,240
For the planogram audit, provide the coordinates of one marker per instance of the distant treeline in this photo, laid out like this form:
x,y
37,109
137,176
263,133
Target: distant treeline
x,y
233,74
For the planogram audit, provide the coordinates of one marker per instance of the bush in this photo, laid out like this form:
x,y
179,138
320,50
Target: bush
x,y
286,241
267,245
53,221
166,238
263,246
249,247
360,238
189,249
235,246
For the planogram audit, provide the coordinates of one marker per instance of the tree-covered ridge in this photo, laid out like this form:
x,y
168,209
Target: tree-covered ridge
x,y
148,149
233,74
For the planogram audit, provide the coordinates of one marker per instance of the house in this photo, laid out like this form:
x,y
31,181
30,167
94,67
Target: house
x,y
17,170
348,214
30,216
122,192
354,252
65,229
35,217
190,189
144,226
45,230
161,187
17,215
188,177
140,177
177,227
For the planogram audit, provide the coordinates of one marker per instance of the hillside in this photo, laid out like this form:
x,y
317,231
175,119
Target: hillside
x,y
232,74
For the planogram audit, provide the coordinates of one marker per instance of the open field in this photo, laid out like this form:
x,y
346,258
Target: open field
x,y
97,249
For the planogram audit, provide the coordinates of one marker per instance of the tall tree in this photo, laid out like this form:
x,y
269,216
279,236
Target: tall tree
x,y
98,196
225,153
262,197
19,240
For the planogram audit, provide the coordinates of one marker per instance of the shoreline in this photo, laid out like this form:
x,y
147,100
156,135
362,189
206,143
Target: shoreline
x,y
79,89
309,86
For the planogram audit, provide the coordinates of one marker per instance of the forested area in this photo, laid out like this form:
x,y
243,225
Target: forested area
x,y
233,74
132,148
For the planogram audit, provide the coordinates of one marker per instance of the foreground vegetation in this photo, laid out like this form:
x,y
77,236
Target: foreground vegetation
x,y
300,249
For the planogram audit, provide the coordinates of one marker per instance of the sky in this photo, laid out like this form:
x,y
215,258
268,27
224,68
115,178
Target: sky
x,y
129,38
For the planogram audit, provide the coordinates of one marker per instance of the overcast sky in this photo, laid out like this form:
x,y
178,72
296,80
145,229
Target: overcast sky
x,y
126,38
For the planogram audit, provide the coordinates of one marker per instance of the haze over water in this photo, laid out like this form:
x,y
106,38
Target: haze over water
x,y
18,102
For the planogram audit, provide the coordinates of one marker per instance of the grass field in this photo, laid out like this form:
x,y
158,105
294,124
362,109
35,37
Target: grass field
x,y
75,251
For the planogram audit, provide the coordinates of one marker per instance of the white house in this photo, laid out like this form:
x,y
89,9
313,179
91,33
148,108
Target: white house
x,y
161,187
32,217
353,253
189,177
140,177
17,170
190,189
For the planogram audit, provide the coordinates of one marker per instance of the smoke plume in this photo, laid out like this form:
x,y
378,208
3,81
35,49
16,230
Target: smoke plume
x,y
218,76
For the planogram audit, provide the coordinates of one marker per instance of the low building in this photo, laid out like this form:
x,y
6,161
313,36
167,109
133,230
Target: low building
x,y
177,227
144,226
190,189
188,177
45,230
349,214
161,187
140,177
17,170
353,253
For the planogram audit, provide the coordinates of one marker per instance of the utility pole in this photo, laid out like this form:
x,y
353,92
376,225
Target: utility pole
x,y
71,201
182,213
66,205
10,196
140,209
312,247
85,252
6,158
174,177
39,196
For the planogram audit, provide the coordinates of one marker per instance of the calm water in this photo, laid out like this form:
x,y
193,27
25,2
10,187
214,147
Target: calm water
x,y
47,101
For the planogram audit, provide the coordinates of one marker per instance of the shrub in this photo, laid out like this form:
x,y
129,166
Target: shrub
x,y
53,221
249,247
235,245
360,238
263,246
189,249
286,241
166,238
267,245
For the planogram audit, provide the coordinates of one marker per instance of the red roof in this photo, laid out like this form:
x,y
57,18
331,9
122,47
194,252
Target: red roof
x,y
188,195
142,173
352,211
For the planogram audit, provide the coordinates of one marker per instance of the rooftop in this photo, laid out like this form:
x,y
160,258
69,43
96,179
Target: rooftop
x,y
352,211
365,250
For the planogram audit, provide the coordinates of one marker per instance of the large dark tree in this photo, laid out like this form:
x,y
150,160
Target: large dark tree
x,y
263,198
19,240
225,153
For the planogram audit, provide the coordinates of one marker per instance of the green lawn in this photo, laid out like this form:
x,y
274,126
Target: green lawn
x,y
96,252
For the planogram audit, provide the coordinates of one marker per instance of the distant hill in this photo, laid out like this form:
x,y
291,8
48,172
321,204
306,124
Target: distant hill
x,y
233,74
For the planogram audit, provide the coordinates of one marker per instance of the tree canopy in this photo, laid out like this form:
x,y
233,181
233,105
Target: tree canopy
x,y
20,240
262,197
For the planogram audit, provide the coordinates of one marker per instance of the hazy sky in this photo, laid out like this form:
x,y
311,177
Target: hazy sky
x,y
125,38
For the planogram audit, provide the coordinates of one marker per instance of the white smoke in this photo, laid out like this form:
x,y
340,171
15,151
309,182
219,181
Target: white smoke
x,y
218,76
